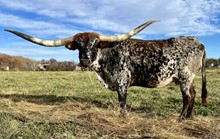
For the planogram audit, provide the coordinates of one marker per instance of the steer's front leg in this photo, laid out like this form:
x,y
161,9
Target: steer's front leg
x,y
123,78
122,95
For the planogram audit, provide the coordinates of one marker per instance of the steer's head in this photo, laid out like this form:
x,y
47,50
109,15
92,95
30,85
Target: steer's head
x,y
86,43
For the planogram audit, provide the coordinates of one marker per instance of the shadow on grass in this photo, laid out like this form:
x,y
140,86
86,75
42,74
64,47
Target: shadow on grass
x,y
50,99
148,108
160,108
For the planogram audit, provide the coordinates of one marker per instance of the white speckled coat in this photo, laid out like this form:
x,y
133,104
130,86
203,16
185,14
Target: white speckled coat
x,y
153,63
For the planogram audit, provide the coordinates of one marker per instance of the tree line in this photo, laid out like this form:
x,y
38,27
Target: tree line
x,y
18,63
54,65
212,63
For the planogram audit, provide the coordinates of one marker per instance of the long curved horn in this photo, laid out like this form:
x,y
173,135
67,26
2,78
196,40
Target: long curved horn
x,y
47,43
128,35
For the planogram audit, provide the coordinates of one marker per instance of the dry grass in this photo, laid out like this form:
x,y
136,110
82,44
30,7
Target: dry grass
x,y
48,115
107,122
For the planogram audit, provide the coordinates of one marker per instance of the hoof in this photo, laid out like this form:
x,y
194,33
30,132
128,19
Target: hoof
x,y
181,118
123,113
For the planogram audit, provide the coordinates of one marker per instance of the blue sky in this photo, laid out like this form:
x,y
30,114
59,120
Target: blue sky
x,y
56,19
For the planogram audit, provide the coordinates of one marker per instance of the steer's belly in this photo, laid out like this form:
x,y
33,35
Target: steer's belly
x,y
165,82
155,83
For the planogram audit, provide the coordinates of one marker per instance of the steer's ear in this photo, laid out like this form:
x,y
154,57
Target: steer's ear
x,y
71,46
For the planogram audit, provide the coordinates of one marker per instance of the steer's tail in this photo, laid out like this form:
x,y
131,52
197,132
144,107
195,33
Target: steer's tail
x,y
204,90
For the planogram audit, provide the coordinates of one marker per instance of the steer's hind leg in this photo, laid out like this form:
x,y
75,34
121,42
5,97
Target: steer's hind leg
x,y
186,101
191,104
186,79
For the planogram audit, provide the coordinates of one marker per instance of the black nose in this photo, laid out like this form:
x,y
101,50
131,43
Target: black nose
x,y
84,62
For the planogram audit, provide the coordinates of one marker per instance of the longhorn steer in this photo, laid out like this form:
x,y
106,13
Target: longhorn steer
x,y
121,62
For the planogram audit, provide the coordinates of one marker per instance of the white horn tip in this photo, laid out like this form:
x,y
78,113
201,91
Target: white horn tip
x,y
155,20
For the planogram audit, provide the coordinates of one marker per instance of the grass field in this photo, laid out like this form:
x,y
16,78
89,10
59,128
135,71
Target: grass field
x,y
57,105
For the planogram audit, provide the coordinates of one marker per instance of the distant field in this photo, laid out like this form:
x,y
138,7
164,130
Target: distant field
x,y
75,105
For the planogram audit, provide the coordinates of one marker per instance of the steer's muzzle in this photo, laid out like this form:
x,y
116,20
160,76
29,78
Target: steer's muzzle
x,y
84,62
